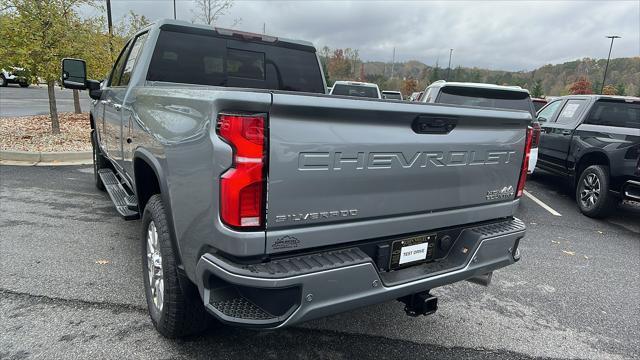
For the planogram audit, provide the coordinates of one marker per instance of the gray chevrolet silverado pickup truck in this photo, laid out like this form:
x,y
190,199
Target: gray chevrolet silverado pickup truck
x,y
266,202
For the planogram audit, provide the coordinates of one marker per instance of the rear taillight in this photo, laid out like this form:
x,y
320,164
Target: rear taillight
x,y
525,162
242,187
535,139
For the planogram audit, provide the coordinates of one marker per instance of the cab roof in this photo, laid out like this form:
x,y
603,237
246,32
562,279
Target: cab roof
x,y
443,83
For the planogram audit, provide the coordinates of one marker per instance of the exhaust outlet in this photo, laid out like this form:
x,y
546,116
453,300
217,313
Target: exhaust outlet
x,y
484,279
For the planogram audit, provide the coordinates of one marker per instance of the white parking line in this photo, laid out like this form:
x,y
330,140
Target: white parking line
x,y
543,205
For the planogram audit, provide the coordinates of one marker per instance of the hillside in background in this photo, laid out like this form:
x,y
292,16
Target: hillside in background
x,y
554,79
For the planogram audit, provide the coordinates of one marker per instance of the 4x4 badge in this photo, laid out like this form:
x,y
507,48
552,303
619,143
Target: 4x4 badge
x,y
504,193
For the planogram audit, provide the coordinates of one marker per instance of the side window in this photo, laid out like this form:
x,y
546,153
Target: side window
x,y
546,114
116,72
615,113
570,111
131,60
427,95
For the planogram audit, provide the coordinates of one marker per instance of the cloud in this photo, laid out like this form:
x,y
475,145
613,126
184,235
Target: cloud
x,y
520,35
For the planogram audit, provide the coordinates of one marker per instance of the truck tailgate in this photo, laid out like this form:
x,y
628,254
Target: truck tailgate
x,y
339,168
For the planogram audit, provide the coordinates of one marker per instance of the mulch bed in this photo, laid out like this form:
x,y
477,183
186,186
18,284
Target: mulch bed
x,y
33,133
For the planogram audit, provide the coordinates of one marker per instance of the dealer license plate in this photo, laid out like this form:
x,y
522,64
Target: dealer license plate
x,y
412,250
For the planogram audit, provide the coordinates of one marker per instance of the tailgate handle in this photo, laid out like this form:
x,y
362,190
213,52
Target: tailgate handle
x,y
429,124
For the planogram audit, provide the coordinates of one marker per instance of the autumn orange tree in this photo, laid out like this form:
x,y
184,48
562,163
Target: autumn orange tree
x,y
609,90
339,65
580,87
409,86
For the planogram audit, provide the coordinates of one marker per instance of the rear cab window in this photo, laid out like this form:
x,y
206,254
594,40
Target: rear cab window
x,y
355,90
484,97
614,112
206,58
392,95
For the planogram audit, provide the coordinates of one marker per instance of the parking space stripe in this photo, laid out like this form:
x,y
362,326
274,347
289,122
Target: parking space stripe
x,y
542,204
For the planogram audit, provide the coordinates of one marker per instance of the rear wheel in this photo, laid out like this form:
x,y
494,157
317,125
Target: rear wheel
x,y
24,84
174,303
99,161
592,192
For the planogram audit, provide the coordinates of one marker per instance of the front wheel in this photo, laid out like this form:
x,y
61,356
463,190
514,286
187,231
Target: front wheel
x,y
3,81
174,303
592,192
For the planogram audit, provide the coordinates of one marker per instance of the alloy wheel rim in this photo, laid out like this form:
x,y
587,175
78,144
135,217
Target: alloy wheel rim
x,y
590,190
154,267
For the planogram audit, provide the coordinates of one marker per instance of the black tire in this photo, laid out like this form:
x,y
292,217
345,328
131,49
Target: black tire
x,y
99,161
182,312
592,192
24,85
3,81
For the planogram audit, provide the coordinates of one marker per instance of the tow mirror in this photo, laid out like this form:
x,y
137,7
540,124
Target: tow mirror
x,y
74,74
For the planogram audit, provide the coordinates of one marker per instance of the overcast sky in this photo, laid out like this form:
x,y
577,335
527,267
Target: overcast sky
x,y
506,35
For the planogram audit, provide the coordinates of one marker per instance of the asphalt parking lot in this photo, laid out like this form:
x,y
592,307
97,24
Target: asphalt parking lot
x,y
34,100
71,287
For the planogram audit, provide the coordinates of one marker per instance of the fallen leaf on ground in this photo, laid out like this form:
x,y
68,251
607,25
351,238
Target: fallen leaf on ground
x,y
555,242
572,253
586,257
33,133
599,232
102,262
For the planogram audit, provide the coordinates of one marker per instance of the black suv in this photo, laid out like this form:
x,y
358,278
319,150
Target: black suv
x,y
594,140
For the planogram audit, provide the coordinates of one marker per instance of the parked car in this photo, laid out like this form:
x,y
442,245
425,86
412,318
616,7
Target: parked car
x,y
538,103
391,95
414,96
486,95
356,88
329,88
594,141
368,200
15,75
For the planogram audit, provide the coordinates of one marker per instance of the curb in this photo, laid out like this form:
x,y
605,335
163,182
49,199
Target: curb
x,y
51,158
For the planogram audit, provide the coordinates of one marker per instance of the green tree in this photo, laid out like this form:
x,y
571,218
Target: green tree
x,y
621,89
40,38
130,24
537,89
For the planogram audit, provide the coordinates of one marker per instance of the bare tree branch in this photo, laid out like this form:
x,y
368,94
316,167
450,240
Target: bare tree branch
x,y
208,11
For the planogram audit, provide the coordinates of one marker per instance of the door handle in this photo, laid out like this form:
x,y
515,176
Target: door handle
x,y
566,132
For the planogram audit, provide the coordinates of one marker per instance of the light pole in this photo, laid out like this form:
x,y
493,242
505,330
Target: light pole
x,y
110,26
449,67
174,10
612,37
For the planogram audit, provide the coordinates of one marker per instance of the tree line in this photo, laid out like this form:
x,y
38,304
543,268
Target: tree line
x,y
623,76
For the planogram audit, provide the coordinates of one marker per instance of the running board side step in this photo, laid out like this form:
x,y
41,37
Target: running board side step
x,y
126,204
